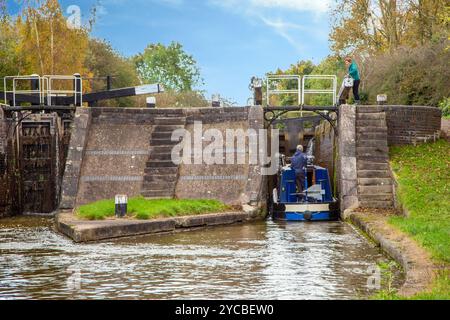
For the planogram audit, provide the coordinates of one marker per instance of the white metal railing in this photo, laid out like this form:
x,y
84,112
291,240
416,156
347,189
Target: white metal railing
x,y
76,82
332,91
301,91
277,78
44,89
16,80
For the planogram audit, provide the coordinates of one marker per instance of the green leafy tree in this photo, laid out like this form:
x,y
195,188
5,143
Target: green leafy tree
x,y
168,65
102,60
10,58
301,68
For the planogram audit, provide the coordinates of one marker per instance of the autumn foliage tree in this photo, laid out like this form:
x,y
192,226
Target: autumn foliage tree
x,y
401,47
374,26
43,42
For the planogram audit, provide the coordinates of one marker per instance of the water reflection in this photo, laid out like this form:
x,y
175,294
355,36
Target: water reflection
x,y
253,261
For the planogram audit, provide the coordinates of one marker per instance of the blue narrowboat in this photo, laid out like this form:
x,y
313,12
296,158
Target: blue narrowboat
x,y
316,203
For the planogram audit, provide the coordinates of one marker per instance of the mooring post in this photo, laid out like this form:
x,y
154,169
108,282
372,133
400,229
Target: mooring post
x,y
121,207
256,85
151,102
77,90
34,87
108,83
381,99
215,101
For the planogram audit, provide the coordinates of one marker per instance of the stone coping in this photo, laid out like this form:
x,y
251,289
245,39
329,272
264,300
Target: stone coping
x,y
416,261
82,231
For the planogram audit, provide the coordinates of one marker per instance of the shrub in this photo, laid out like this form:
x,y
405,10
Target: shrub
x,y
410,76
444,105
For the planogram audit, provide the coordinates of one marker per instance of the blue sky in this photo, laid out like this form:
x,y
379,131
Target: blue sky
x,y
232,40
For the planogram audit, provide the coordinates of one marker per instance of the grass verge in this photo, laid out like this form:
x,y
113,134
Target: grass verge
x,y
144,209
423,174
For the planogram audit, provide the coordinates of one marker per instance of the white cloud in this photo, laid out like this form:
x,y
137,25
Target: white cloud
x,y
173,3
269,12
282,28
319,6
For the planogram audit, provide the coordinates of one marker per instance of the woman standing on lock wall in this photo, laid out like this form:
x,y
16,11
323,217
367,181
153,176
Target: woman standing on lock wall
x,y
353,71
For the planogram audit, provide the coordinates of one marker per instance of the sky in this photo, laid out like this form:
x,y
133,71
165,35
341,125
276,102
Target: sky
x,y
231,40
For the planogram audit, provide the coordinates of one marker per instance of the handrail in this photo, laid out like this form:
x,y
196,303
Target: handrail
x,y
14,91
76,81
332,91
301,90
43,87
278,77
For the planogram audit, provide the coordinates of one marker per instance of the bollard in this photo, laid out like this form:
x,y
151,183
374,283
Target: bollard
x,y
151,102
108,83
121,206
381,99
77,88
256,84
215,101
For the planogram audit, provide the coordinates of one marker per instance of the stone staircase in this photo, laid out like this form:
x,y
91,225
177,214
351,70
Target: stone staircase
x,y
375,187
161,174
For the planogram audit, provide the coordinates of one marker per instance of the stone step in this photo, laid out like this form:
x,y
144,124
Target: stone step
x,y
158,194
374,159
153,171
161,164
160,156
372,136
162,135
161,178
371,129
371,116
382,144
166,185
373,174
377,204
370,165
163,142
376,197
161,149
167,128
371,123
372,151
170,121
368,190
375,181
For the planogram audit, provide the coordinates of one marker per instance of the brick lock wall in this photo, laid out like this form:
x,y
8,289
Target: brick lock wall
x,y
86,136
411,124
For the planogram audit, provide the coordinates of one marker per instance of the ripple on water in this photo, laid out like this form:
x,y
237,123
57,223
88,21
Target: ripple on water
x,y
253,261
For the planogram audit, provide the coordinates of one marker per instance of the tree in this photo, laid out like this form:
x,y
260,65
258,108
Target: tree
x,y
410,76
429,20
10,57
377,26
102,60
168,65
49,45
300,68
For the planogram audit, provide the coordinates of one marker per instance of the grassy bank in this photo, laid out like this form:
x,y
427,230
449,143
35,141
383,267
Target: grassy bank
x,y
141,208
423,174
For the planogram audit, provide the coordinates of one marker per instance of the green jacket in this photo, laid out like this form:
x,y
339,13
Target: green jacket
x,y
353,71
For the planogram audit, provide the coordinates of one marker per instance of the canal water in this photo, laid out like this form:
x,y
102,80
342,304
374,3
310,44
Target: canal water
x,y
263,260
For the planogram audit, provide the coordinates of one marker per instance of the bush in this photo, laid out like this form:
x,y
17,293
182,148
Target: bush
x,y
444,105
410,76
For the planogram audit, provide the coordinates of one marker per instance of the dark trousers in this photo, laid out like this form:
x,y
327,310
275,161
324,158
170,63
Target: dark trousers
x,y
356,90
300,180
